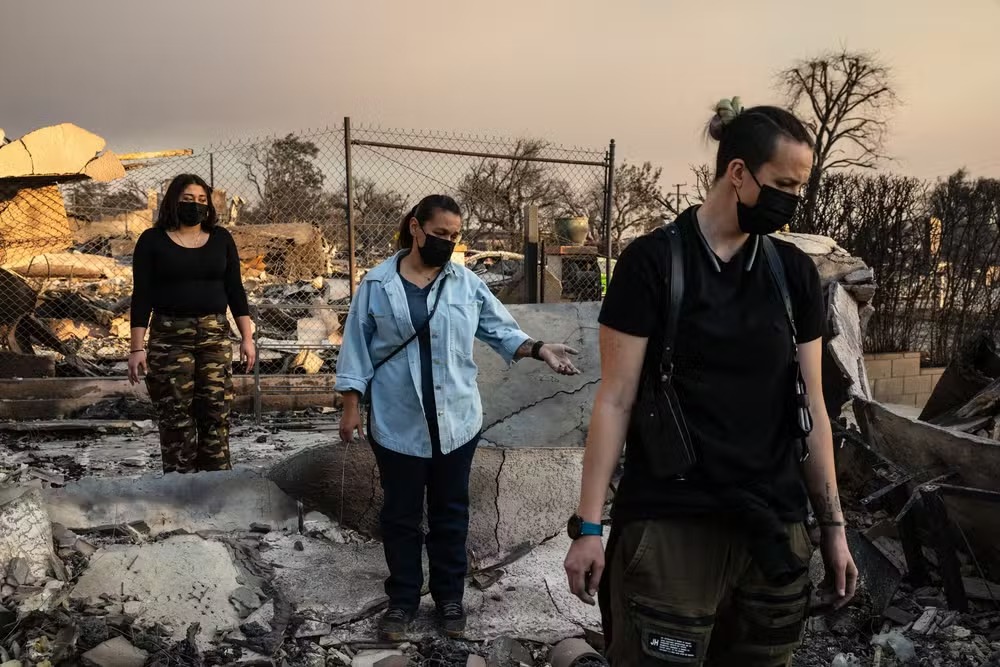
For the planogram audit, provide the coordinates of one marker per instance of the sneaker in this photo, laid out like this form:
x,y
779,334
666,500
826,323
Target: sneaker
x,y
452,618
394,624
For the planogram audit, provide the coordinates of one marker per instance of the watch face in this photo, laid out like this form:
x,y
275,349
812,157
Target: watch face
x,y
574,527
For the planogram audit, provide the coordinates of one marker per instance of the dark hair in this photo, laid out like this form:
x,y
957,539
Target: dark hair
x,y
752,135
167,217
424,211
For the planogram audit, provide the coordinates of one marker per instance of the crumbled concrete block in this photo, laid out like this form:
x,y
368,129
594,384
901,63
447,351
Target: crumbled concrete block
x,y
245,601
310,628
116,652
259,622
372,658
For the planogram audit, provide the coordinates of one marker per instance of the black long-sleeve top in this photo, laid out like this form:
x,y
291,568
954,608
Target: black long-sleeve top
x,y
170,279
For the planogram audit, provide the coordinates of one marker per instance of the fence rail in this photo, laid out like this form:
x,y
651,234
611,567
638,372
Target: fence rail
x,y
310,211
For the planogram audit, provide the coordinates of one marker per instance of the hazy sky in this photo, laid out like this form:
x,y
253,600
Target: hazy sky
x,y
149,75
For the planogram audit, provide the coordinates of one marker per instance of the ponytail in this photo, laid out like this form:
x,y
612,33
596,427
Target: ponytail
x,y
405,236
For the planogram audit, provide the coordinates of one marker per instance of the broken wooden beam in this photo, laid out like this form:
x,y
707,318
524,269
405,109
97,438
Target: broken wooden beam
x,y
155,155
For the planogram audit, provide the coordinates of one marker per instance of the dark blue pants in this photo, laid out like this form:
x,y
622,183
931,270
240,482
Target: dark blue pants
x,y
404,479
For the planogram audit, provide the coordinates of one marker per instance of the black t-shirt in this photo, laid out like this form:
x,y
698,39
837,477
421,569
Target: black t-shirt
x,y
184,282
731,370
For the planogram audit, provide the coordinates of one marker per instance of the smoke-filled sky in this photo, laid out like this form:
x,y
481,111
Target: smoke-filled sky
x,y
186,73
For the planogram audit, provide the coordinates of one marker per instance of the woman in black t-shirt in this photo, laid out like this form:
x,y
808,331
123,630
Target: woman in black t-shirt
x,y
186,273
712,564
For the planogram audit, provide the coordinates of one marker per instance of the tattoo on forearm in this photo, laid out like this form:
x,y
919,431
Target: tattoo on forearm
x,y
828,506
524,351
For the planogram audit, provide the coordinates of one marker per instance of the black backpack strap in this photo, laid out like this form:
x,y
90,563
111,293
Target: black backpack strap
x,y
777,271
675,295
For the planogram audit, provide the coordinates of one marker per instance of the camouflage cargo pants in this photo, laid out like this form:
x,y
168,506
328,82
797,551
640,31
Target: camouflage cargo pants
x,y
685,591
190,381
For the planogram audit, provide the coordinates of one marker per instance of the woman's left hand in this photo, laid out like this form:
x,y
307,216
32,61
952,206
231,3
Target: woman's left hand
x,y
557,356
248,354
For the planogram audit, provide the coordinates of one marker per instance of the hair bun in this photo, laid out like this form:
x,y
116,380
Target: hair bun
x,y
726,111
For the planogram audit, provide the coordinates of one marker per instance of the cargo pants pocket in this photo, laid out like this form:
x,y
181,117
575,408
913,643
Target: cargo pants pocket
x,y
666,636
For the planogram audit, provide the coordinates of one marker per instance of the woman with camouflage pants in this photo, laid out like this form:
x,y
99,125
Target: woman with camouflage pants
x,y
186,272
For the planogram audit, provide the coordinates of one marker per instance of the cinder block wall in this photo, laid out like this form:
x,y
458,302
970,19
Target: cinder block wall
x,y
898,378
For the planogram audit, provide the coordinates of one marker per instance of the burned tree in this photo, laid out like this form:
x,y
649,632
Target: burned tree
x,y
494,192
845,99
638,204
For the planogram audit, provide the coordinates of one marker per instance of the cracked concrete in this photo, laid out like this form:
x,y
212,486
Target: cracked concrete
x,y
526,473
531,601
517,496
179,581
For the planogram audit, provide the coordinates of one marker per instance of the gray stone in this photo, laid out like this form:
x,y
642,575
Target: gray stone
x,y
507,652
475,661
245,601
338,656
133,609
19,572
846,350
310,628
372,657
865,275
259,622
226,501
862,293
116,652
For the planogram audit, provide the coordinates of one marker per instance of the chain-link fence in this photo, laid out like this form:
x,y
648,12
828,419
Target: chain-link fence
x,y
310,212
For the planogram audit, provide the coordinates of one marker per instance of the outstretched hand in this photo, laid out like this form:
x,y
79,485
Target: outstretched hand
x,y
559,358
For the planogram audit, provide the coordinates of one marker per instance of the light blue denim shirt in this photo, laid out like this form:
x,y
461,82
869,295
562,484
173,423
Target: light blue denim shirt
x,y
379,321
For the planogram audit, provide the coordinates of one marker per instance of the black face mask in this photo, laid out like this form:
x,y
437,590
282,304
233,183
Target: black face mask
x,y
436,251
774,209
191,213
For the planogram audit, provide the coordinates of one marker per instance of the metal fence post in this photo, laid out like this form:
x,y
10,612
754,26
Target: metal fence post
x,y
531,255
609,194
211,169
349,192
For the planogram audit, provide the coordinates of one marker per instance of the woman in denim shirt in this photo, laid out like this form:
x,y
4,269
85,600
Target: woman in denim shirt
x,y
426,413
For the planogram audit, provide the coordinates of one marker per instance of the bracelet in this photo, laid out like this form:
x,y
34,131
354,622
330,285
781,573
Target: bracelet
x,y
134,351
832,524
536,348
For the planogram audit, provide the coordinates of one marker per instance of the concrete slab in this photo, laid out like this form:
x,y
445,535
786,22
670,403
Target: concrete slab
x,y
225,501
528,395
517,495
178,581
333,582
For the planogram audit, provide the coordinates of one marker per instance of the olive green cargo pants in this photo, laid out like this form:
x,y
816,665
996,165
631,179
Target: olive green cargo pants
x,y
685,591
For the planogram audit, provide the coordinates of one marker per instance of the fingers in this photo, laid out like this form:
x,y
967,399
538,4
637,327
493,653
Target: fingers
x,y
852,579
840,580
594,583
571,350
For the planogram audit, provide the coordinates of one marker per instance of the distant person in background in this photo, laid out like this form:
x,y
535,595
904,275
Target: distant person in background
x,y
186,272
408,343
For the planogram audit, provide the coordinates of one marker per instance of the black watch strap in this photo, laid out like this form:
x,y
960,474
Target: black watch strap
x,y
536,348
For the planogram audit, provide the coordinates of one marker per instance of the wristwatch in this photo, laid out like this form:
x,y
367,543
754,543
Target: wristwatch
x,y
578,528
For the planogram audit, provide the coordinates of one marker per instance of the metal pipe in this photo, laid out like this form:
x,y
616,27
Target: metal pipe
x,y
498,156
